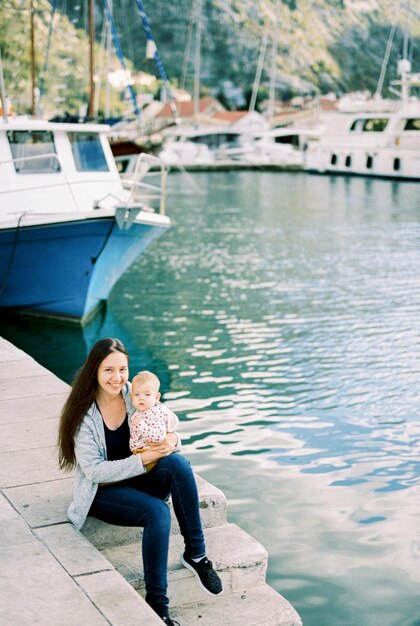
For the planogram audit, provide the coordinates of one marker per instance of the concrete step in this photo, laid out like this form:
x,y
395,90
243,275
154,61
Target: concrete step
x,y
239,559
260,606
212,510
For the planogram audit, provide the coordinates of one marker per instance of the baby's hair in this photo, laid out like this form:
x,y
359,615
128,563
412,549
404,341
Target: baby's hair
x,y
144,377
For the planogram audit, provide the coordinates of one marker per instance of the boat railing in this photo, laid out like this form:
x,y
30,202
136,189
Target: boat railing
x,y
140,184
44,155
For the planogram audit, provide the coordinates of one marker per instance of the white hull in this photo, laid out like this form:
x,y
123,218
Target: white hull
x,y
365,161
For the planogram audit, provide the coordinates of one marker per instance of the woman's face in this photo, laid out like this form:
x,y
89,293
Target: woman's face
x,y
113,373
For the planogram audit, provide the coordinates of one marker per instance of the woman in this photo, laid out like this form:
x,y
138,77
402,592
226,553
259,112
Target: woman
x,y
113,485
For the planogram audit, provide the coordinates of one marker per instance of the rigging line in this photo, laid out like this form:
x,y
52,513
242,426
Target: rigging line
x,y
187,48
12,255
257,80
108,45
94,259
121,58
47,52
197,59
410,9
156,56
385,61
102,49
122,18
86,15
273,79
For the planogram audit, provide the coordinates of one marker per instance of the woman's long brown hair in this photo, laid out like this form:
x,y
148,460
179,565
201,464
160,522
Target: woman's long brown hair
x,y
82,396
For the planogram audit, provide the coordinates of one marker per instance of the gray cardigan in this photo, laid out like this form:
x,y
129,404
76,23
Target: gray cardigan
x,y
93,467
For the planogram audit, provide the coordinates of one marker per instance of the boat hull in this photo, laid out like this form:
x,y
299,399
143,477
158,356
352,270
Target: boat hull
x,y
365,162
68,269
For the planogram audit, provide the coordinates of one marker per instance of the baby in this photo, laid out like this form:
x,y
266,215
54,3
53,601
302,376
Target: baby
x,y
152,419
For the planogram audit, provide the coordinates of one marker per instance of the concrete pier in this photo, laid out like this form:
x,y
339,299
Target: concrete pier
x,y
51,574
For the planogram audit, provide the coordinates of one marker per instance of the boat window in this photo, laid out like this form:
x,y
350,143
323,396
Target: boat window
x,y
204,139
216,140
369,162
87,152
292,140
357,125
375,125
122,164
334,159
397,164
412,124
348,161
29,149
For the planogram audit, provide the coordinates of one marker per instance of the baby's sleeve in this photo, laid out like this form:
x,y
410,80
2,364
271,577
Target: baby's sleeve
x,y
172,420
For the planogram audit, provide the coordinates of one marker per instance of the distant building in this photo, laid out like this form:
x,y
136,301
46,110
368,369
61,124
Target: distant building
x,y
157,116
328,103
248,121
187,114
300,111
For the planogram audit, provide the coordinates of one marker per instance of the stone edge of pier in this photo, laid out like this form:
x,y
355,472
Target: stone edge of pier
x,y
50,573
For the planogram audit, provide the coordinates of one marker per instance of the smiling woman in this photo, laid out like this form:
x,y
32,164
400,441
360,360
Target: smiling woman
x,y
112,376
127,489
85,391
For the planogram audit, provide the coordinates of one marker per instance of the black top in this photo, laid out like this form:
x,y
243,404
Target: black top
x,y
118,441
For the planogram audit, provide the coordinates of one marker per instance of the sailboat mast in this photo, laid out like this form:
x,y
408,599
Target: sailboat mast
x,y
91,105
3,96
272,89
197,60
257,79
273,71
108,67
33,71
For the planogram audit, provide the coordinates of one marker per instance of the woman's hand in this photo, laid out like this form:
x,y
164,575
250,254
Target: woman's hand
x,y
156,450
165,447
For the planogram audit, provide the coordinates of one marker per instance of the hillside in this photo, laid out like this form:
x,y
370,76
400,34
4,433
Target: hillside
x,y
322,45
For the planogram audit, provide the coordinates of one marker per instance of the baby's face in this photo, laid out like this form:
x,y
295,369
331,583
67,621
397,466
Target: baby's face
x,y
144,396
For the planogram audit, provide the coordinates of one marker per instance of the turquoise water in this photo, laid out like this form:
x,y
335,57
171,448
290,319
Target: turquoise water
x,y
282,314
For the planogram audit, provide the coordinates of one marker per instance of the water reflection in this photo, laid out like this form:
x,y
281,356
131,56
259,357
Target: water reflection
x,y
281,313
62,347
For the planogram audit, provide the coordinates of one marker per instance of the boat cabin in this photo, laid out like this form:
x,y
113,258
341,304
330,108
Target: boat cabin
x,y
74,160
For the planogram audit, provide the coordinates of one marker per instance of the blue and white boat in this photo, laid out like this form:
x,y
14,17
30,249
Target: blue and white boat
x,y
68,227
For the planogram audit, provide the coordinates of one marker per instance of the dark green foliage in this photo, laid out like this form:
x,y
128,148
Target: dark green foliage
x,y
359,53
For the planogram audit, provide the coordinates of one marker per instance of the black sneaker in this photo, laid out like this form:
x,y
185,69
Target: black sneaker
x,y
170,622
206,576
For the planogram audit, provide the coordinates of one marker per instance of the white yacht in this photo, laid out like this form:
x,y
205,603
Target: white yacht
x,y
204,146
380,138
282,147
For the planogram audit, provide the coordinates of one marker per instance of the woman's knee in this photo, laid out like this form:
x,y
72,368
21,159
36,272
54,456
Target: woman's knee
x,y
176,463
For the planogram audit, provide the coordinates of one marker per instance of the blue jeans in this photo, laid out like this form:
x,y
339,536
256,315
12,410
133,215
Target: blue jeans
x,y
140,501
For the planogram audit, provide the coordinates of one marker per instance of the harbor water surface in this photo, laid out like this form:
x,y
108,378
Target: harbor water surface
x,y
281,313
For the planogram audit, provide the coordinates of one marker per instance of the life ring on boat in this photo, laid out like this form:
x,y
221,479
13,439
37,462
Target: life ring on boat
x,y
9,109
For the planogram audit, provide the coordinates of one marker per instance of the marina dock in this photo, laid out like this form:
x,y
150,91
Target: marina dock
x,y
231,166
53,574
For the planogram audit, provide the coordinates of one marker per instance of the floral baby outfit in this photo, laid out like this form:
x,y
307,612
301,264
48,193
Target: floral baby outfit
x,y
151,425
